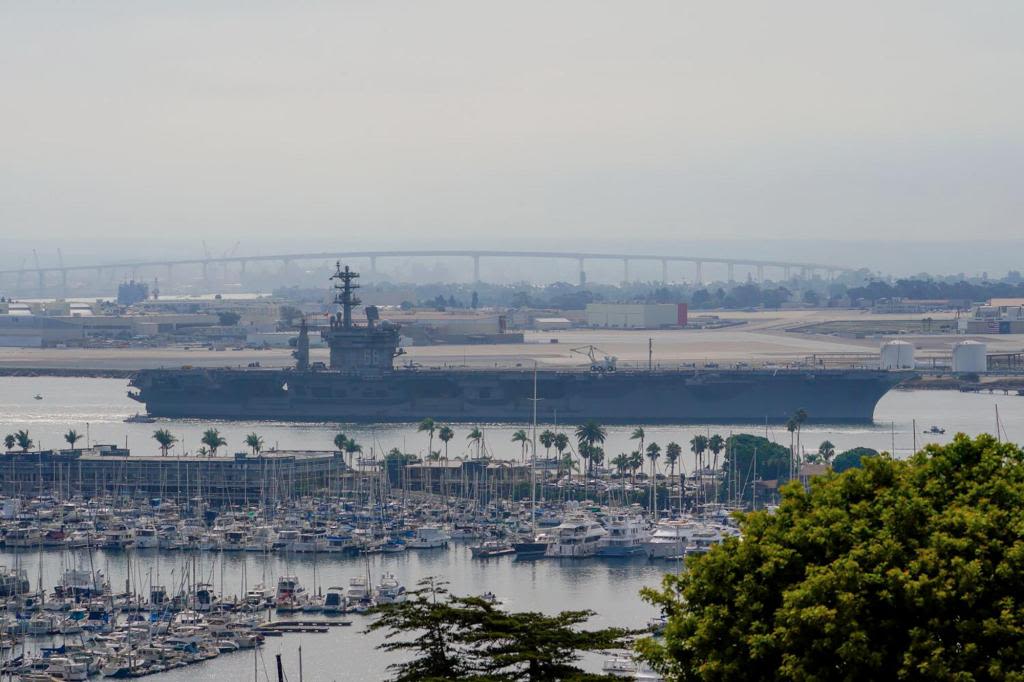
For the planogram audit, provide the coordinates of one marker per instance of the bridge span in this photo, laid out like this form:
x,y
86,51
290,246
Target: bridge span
x,y
136,268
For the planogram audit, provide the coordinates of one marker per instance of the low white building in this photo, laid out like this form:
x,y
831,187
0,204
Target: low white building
x,y
636,315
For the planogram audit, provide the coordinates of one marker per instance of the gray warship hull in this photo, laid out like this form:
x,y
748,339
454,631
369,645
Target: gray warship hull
x,y
632,397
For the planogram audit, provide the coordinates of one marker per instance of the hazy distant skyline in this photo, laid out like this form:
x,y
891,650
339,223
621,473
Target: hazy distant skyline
x,y
468,123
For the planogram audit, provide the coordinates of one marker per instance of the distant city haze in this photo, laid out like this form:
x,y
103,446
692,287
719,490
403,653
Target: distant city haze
x,y
883,135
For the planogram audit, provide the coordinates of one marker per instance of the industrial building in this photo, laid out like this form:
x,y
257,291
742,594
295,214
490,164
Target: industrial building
x,y
107,471
998,316
636,315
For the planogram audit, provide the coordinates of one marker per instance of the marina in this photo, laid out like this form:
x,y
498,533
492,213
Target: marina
x,y
345,536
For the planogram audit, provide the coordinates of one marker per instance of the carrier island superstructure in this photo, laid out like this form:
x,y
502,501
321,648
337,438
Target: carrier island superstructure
x,y
361,383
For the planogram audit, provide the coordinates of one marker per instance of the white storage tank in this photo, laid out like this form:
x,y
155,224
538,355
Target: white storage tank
x,y
970,356
897,355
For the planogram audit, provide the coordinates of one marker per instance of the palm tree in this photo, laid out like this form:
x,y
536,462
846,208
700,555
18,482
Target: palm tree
x,y
673,451
827,451
547,439
653,453
791,426
254,442
429,426
698,444
800,416
476,436
590,433
523,439
351,449
72,437
636,460
445,434
23,440
621,463
10,441
339,442
716,444
166,439
213,440
202,451
638,434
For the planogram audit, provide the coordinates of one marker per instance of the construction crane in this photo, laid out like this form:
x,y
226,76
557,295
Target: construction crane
x,y
607,363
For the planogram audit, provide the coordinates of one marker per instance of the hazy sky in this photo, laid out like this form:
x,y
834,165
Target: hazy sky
x,y
474,122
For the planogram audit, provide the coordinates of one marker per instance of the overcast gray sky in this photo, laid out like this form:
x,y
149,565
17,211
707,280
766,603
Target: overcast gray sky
x,y
477,122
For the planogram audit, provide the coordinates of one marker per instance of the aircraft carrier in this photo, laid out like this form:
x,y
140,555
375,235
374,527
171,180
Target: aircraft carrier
x,y
362,384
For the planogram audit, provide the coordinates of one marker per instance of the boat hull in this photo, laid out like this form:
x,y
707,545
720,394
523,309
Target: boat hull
x,y
685,396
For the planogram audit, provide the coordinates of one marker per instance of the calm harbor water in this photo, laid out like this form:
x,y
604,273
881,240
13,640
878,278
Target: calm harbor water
x,y
608,587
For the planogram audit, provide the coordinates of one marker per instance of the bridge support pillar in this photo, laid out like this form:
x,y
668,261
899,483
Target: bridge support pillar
x,y
42,283
625,270
760,274
664,271
786,272
698,276
583,273
64,283
732,274
373,264
476,269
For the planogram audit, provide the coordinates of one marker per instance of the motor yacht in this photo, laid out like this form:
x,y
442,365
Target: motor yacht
x,y
576,537
428,537
389,590
627,536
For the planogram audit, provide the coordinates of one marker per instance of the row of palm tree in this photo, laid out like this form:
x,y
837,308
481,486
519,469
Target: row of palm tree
x,y
348,445
23,440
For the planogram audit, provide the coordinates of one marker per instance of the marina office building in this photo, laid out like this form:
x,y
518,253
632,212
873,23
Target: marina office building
x,y
106,470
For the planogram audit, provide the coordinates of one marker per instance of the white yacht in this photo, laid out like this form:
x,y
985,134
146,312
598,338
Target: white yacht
x,y
146,537
334,601
290,593
676,538
358,593
627,536
577,536
428,537
118,536
389,590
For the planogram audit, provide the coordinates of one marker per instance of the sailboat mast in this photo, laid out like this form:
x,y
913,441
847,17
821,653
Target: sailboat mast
x,y
533,457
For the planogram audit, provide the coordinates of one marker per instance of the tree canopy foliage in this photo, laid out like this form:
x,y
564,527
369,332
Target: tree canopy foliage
x,y
772,462
896,570
851,459
469,638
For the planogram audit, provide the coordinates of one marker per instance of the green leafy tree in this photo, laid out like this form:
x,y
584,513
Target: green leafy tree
x,y
23,440
772,463
213,440
851,459
442,637
424,629
254,442
339,441
897,570
165,439
561,444
72,437
352,448
10,441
